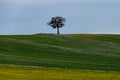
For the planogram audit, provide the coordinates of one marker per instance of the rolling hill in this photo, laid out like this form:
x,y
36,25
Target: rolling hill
x,y
67,51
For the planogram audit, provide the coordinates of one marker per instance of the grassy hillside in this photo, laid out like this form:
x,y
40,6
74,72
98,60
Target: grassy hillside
x,y
111,38
75,51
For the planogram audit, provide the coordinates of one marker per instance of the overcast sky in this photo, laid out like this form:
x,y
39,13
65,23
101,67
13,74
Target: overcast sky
x,y
82,16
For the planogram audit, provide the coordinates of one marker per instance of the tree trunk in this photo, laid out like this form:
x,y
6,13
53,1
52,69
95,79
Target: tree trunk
x,y
58,32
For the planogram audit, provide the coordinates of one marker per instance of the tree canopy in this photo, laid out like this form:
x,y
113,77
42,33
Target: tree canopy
x,y
57,22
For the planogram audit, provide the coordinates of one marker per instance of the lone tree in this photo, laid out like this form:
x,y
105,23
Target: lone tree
x,y
57,22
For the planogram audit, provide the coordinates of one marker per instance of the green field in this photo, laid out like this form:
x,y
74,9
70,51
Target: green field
x,y
67,52
27,73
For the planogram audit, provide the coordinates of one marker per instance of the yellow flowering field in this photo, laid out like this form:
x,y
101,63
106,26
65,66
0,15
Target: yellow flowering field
x,y
32,73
